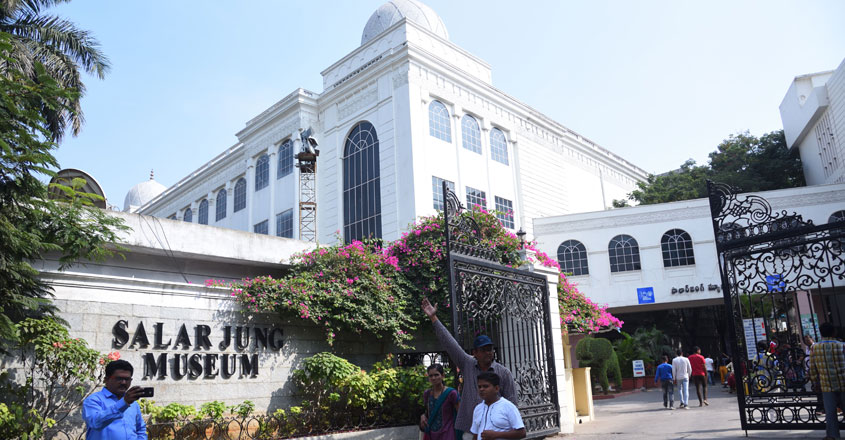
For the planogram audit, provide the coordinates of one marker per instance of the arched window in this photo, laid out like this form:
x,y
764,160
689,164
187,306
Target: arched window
x,y
285,159
240,194
572,256
439,125
202,218
624,253
220,205
361,184
188,216
676,245
262,172
837,216
498,146
471,134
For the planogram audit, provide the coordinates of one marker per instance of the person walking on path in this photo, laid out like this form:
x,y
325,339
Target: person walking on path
x,y
724,360
481,361
711,369
681,371
441,405
827,366
699,375
664,377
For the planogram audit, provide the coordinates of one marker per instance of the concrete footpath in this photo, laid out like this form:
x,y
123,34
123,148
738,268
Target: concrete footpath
x,y
642,416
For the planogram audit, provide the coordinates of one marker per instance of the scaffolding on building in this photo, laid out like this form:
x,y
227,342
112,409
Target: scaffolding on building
x,y
307,164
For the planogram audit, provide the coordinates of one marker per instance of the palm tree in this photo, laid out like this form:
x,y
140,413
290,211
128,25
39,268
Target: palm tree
x,y
60,47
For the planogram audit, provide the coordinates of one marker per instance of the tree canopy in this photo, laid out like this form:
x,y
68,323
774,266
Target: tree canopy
x,y
31,223
59,48
742,160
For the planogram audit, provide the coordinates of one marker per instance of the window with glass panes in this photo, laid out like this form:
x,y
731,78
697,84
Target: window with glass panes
x,y
439,124
476,197
498,146
262,172
261,228
470,134
284,224
188,216
437,191
202,214
504,211
220,205
676,246
240,194
624,253
285,166
572,257
361,184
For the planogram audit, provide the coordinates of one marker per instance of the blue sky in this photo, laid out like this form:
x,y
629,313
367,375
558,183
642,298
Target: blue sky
x,y
656,82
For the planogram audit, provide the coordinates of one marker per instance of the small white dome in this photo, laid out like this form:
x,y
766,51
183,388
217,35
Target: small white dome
x,y
391,12
142,193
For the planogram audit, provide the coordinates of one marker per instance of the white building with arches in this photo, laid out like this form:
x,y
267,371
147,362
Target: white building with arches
x,y
400,114
618,256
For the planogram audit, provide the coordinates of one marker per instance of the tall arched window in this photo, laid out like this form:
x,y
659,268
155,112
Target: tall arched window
x,y
572,256
220,205
676,245
837,216
439,125
262,172
624,253
498,146
361,184
202,217
285,159
240,194
188,216
471,134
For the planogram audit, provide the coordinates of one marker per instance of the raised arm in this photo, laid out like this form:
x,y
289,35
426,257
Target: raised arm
x,y
458,355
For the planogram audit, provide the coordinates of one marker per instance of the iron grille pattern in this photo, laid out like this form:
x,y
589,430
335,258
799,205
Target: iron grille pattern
x,y
509,305
772,262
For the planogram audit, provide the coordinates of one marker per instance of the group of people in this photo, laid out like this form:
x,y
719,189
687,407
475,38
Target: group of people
x,y
485,408
680,372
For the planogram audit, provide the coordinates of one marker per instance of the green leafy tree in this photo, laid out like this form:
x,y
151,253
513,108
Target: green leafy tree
x,y
59,372
59,48
742,160
30,223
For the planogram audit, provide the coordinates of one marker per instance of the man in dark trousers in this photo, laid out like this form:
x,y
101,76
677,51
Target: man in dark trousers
x,y
827,367
471,366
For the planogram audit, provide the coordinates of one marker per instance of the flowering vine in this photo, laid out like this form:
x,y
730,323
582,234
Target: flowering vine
x,y
365,288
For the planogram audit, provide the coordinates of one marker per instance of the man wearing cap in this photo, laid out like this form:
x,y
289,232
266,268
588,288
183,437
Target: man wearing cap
x,y
471,366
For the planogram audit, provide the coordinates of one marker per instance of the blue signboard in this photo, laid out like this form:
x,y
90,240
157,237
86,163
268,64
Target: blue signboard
x,y
774,283
645,295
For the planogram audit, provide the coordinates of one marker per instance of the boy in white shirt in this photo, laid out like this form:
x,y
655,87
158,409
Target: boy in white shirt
x,y
495,417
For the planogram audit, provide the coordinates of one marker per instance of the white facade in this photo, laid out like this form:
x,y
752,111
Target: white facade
x,y
813,114
686,285
404,64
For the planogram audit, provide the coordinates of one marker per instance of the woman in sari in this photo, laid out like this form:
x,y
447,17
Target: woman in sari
x,y
441,405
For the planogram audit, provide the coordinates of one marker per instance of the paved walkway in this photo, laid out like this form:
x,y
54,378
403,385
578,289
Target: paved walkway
x,y
642,416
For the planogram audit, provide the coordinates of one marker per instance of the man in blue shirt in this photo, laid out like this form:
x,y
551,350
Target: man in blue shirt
x,y
664,376
113,413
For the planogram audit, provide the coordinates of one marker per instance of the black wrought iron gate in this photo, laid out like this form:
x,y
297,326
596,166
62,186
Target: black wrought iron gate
x,y
509,305
782,276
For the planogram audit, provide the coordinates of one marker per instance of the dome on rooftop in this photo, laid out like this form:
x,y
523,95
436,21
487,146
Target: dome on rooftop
x,y
393,11
142,193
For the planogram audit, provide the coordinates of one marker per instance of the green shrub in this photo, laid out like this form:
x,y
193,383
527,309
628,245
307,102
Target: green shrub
x,y
598,354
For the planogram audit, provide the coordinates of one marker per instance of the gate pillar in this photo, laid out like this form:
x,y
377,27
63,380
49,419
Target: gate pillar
x,y
563,368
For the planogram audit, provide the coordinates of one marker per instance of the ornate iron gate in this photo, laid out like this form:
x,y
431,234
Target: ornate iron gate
x,y
509,305
781,276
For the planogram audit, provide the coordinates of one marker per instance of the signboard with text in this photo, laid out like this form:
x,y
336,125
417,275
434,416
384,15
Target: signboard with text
x,y
645,295
755,330
639,368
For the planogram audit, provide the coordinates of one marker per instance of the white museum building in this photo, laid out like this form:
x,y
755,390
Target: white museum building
x,y
813,115
404,111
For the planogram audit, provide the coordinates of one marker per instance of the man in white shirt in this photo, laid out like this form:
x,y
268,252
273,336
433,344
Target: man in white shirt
x,y
681,370
711,369
495,417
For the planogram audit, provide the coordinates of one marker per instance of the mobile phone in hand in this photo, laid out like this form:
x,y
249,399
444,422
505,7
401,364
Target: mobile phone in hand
x,y
147,392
